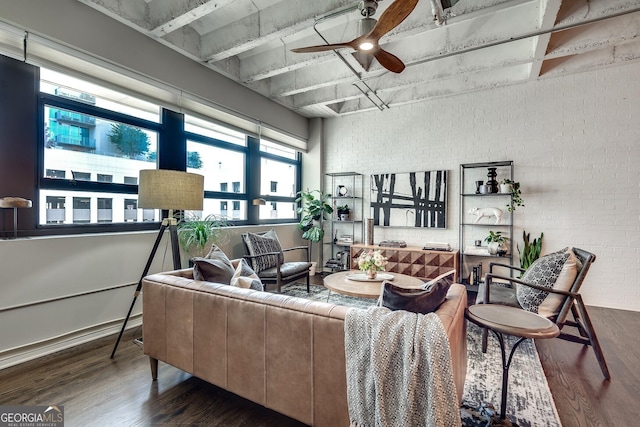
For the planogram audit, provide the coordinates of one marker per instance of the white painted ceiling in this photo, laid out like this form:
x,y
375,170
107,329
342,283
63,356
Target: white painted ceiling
x,y
480,44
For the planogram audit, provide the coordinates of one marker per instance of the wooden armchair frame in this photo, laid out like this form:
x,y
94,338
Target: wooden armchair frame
x,y
572,303
282,276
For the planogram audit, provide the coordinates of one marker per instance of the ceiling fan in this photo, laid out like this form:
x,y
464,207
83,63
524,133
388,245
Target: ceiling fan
x,y
368,43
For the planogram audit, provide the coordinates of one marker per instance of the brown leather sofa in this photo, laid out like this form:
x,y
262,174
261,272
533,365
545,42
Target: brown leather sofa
x,y
284,353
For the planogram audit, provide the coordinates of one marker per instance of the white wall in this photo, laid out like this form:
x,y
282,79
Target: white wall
x,y
575,142
38,274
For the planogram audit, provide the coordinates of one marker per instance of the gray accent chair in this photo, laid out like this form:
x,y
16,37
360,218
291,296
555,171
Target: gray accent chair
x,y
504,292
283,272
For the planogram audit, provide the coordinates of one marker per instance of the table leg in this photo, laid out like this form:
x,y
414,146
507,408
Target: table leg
x,y
506,363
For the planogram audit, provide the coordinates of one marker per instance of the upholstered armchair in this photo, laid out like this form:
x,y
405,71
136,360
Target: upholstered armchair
x,y
551,288
266,256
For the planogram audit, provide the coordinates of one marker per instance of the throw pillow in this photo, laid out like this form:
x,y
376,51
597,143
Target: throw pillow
x,y
422,300
216,267
245,277
551,305
543,272
260,244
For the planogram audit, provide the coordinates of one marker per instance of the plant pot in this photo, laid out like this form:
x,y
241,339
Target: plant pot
x,y
497,248
506,188
312,269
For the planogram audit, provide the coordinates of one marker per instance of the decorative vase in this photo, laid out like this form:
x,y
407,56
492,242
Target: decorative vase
x,y
370,231
492,183
372,273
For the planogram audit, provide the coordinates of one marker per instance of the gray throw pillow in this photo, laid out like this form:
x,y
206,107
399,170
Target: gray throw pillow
x,y
261,244
543,272
216,267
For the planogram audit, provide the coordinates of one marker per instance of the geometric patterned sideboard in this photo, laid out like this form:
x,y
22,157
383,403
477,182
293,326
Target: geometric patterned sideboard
x,y
412,260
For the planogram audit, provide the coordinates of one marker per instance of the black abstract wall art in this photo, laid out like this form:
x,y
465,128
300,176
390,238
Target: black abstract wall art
x,y
413,199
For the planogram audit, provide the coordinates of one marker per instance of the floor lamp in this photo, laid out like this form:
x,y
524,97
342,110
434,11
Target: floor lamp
x,y
166,190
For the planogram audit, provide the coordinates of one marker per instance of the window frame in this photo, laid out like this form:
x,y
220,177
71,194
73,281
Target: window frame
x,y
252,155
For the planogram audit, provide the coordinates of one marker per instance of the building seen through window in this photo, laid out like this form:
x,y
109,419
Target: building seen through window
x,y
102,139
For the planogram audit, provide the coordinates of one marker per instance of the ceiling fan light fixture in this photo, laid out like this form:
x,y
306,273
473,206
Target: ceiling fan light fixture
x,y
365,45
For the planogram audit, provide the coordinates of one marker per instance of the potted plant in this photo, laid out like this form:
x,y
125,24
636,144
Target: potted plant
x,y
343,212
196,235
313,210
531,250
497,243
513,187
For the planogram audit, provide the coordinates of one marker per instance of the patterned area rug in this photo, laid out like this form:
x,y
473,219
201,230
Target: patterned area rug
x,y
529,400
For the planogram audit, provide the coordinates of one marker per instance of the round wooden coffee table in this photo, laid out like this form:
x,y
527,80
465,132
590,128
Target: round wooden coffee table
x,y
342,284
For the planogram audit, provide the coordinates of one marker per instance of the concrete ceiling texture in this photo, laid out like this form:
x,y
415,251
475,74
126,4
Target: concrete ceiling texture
x,y
449,47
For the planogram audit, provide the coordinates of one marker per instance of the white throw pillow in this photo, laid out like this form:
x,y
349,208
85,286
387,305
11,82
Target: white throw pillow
x,y
245,277
552,303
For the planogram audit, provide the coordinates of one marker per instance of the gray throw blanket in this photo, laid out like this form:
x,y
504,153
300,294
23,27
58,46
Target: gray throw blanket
x,y
399,370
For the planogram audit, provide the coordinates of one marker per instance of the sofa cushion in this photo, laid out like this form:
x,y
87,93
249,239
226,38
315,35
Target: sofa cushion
x,y
422,300
245,277
260,244
543,272
216,267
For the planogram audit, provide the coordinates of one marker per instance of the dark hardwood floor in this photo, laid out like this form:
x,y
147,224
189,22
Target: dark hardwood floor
x,y
98,391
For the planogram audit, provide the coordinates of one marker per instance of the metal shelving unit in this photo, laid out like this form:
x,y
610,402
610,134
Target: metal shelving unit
x,y
471,231
346,188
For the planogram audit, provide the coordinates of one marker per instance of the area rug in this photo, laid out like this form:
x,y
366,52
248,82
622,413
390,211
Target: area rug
x,y
529,400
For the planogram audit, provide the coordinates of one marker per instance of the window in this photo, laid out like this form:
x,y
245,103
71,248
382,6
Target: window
x,y
81,210
81,176
55,210
95,141
105,209
130,210
54,173
279,181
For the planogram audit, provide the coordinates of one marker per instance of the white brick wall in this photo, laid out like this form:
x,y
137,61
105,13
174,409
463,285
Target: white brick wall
x,y
575,142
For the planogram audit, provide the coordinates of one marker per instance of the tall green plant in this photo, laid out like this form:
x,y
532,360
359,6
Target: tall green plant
x,y
196,235
314,209
531,250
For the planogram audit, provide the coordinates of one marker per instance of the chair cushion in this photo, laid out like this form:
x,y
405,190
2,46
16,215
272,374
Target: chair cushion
x,y
245,277
551,305
423,300
543,272
258,244
215,267
286,269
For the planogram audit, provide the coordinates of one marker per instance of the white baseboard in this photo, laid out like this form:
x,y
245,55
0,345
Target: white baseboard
x,y
32,351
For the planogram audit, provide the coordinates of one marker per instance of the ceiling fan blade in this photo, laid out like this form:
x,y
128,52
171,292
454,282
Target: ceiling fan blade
x,y
389,61
392,17
323,47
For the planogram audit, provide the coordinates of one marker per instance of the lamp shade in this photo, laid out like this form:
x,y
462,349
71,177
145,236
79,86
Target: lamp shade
x,y
169,189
